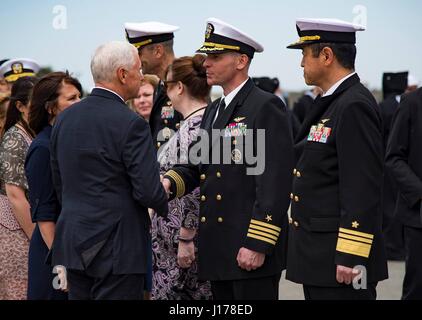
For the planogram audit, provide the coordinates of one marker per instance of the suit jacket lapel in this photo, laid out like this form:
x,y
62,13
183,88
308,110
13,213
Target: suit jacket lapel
x,y
209,115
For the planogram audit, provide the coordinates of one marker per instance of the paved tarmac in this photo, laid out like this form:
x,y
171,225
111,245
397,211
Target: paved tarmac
x,y
387,290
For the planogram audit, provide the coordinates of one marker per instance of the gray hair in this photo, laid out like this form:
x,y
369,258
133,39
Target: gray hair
x,y
109,57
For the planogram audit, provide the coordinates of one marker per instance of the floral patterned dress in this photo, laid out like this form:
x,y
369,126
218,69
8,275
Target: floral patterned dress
x,y
14,244
170,282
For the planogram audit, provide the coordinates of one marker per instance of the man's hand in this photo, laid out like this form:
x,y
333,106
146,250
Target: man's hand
x,y
250,260
346,275
167,185
186,254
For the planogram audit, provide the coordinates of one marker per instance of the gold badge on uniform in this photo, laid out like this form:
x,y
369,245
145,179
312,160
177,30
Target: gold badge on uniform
x,y
239,119
209,31
236,156
17,68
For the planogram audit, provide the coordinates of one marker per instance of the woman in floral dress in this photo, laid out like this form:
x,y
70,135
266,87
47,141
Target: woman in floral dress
x,y
16,226
174,238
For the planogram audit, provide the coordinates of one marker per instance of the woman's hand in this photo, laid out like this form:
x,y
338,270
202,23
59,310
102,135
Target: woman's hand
x,y
21,208
186,254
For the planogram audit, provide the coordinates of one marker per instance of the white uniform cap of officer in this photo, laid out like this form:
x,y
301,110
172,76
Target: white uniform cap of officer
x,y
142,34
222,37
325,31
14,69
412,81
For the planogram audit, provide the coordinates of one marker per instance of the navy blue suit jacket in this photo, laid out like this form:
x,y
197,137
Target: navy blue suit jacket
x,y
106,175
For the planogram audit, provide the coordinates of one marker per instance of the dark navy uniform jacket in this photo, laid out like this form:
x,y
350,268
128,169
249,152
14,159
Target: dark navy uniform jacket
x,y
337,189
164,120
404,158
240,210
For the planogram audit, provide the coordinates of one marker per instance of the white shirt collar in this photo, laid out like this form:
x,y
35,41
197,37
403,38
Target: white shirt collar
x,y
311,94
337,84
102,88
229,98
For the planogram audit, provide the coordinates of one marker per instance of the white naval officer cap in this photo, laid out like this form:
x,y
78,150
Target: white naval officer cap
x,y
412,81
145,33
325,31
14,69
222,37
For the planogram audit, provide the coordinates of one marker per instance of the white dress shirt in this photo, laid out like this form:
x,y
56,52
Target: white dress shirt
x,y
337,84
229,98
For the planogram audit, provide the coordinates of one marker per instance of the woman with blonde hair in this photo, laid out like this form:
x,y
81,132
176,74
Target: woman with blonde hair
x,y
142,105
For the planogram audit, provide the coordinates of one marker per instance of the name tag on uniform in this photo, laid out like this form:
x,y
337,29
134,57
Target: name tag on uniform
x,y
235,130
167,113
319,134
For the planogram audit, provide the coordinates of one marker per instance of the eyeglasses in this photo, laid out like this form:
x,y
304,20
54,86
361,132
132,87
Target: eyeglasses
x,y
166,83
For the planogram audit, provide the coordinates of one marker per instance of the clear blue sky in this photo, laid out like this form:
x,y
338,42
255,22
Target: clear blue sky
x,y
391,43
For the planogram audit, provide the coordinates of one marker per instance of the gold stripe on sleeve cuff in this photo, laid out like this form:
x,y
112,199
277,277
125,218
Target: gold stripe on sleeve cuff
x,y
265,225
269,231
264,234
360,239
353,247
356,233
253,236
180,184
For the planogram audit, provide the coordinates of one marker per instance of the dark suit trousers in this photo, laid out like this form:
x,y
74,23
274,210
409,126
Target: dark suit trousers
x,y
340,293
412,285
97,281
247,289
110,287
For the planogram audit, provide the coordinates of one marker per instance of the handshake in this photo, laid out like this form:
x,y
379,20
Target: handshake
x,y
167,185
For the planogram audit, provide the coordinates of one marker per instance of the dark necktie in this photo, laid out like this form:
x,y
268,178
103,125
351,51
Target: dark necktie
x,y
221,109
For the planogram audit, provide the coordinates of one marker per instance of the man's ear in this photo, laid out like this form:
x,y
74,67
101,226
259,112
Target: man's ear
x,y
121,75
158,51
243,62
327,56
